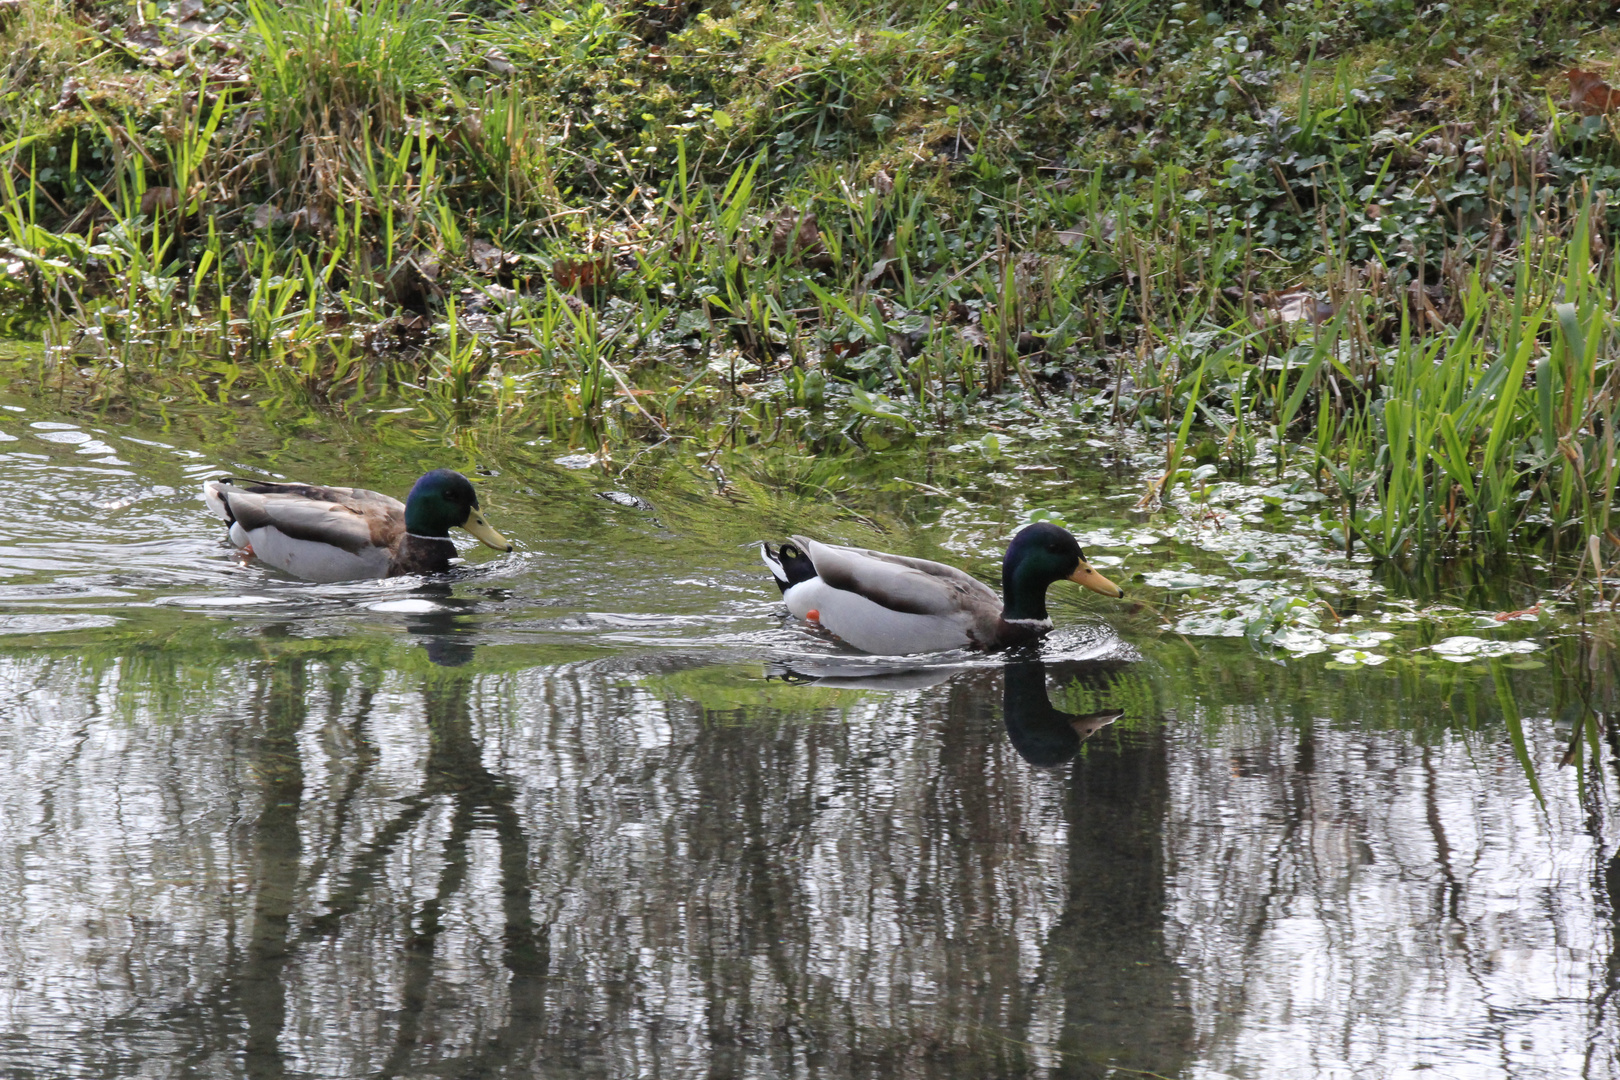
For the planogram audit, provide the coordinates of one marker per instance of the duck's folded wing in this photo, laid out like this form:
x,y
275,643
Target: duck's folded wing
x,y
911,586
298,517
360,499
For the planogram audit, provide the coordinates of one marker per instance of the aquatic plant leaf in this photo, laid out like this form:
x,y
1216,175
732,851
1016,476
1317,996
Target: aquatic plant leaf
x,y
1179,580
1364,639
1463,648
1300,640
1212,624
877,406
1358,658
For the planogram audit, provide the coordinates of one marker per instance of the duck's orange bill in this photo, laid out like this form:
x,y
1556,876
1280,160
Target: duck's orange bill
x,y
1086,576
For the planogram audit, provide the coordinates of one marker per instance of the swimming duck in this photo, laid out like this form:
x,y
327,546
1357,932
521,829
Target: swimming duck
x,y
891,604
342,534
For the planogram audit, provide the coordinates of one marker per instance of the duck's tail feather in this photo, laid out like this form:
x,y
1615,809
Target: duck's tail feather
x,y
215,498
773,563
787,564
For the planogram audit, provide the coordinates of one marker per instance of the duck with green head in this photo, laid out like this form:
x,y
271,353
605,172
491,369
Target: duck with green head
x,y
894,605
344,534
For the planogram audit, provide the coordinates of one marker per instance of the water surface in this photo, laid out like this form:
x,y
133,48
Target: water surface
x,y
592,809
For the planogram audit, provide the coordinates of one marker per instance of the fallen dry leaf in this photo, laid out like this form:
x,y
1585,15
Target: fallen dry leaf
x,y
796,235
1299,305
1425,306
1101,228
70,98
485,256
884,267
307,219
582,271
159,198
266,215
1589,95
143,37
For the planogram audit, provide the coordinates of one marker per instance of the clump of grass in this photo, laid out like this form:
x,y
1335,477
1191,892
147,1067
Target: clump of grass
x,y
373,60
884,215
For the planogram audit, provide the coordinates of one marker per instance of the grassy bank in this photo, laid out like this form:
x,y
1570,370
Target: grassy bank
x,y
1366,245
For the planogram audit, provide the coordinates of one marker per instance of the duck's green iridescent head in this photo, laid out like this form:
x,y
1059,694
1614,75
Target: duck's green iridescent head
x,y
1039,555
443,499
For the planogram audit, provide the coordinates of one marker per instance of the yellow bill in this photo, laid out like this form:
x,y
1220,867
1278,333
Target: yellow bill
x,y
480,528
1086,576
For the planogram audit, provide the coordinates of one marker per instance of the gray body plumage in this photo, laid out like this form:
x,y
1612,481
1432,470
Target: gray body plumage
x,y
892,604
316,533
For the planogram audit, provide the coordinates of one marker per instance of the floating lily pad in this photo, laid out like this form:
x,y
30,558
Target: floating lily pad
x,y
1300,640
1363,639
1211,624
1179,579
1106,538
1463,648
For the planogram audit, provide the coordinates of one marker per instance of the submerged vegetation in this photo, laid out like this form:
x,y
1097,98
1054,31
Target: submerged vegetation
x,y
1364,246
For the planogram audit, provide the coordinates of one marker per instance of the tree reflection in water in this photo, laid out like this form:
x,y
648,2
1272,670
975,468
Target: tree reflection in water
x,y
317,859
454,773
746,829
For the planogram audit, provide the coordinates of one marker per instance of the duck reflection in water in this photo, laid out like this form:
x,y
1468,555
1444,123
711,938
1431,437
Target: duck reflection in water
x,y
446,631
444,623
1043,735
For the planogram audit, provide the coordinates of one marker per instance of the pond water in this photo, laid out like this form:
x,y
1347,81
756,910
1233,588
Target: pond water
x,y
593,809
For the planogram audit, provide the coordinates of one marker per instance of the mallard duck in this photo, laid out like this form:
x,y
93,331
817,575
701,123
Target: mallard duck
x,y
890,604
342,534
